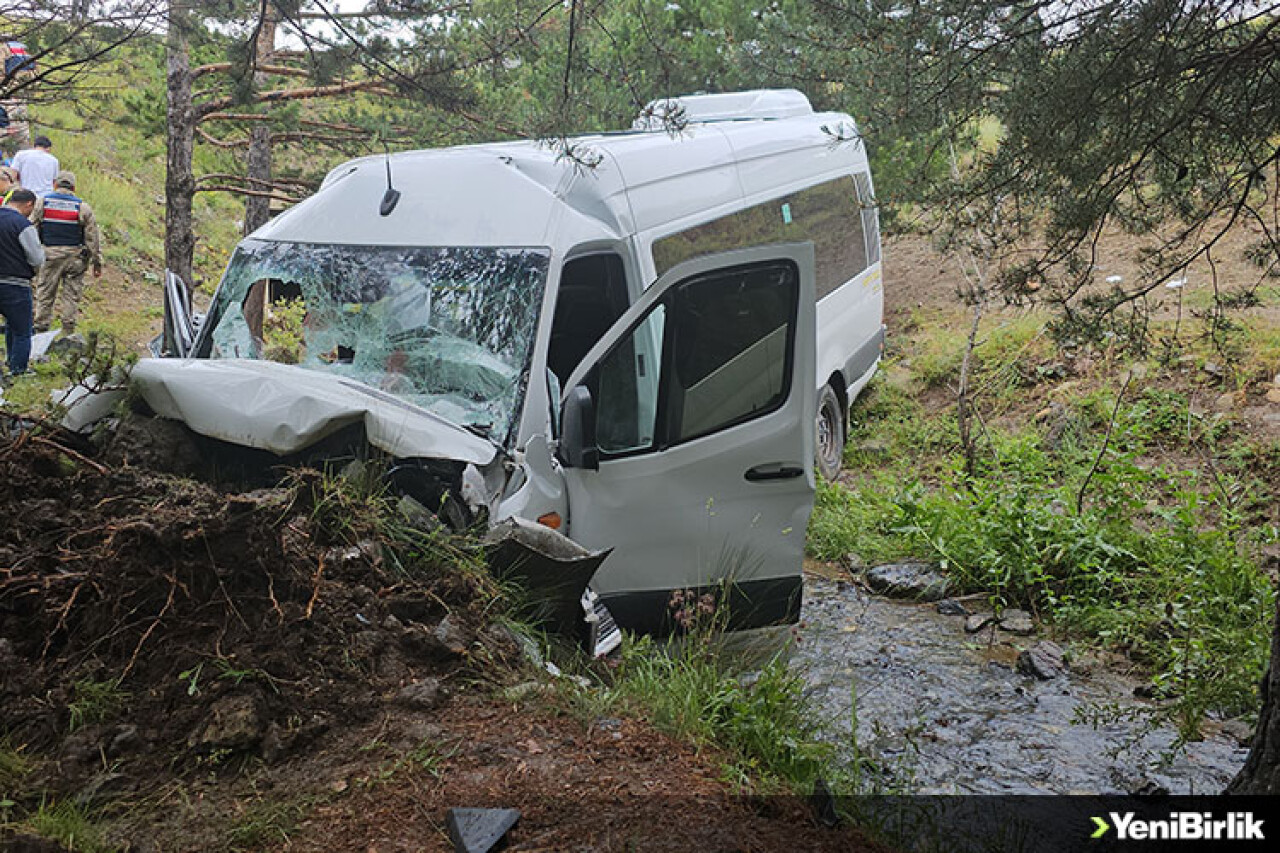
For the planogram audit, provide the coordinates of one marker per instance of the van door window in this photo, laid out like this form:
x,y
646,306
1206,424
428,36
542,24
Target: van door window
x,y
727,336
592,295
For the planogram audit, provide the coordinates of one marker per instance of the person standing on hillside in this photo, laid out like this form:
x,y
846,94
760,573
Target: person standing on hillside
x,y
21,256
37,167
7,183
72,242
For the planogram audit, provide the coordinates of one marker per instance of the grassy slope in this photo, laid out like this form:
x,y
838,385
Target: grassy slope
x,y
1151,540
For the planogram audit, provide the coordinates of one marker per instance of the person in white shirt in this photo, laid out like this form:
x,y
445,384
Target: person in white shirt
x,y
36,167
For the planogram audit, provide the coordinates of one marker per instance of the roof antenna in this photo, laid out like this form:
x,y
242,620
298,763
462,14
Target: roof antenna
x,y
392,196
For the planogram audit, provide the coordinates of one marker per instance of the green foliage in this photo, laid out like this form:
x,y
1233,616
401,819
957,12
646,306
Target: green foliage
x,y
862,520
1154,561
282,331
94,702
69,824
427,757
696,692
267,823
15,764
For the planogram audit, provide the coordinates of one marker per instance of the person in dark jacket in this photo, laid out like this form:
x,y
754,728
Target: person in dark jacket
x,y
21,256
72,243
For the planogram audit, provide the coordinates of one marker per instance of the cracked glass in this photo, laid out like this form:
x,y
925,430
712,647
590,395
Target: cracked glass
x,y
450,329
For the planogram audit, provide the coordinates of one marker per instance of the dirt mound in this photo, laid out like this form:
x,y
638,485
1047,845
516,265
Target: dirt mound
x,y
138,608
200,669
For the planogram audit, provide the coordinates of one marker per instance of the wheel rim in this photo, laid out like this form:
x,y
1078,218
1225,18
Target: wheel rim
x,y
828,447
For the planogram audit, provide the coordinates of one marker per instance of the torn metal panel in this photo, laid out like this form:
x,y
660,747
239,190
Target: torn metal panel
x,y
552,568
85,407
285,409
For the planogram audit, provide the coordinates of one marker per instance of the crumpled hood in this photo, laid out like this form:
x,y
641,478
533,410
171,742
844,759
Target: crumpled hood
x,y
285,409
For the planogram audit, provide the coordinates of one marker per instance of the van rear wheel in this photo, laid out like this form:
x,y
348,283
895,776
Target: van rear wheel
x,y
829,443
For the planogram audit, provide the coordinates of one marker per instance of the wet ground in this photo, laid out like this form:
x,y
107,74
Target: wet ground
x,y
942,711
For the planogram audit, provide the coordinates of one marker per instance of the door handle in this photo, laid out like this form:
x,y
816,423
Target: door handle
x,y
774,471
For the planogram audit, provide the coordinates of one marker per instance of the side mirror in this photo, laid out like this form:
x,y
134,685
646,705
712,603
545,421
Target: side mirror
x,y
578,431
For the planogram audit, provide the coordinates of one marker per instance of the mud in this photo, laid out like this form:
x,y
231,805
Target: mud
x,y
212,670
940,711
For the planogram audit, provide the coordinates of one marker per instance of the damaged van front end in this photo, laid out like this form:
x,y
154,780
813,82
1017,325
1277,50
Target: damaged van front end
x,y
499,335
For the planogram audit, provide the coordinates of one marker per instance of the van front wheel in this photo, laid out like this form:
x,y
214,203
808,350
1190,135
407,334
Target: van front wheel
x,y
829,443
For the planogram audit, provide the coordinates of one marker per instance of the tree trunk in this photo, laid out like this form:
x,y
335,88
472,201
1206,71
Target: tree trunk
x,y
257,209
1261,771
180,139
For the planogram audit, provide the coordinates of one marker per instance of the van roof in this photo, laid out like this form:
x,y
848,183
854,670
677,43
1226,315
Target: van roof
x,y
524,193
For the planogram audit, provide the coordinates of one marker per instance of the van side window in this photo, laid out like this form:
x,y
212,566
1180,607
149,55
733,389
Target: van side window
x,y
724,339
831,215
592,295
870,216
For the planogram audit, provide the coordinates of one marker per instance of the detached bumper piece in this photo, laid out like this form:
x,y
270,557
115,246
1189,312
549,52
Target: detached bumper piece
x,y
479,830
553,572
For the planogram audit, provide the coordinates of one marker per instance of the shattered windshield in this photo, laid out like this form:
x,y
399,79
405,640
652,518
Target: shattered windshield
x,y
449,329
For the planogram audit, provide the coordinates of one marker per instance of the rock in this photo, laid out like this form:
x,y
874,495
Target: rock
x,y
951,607
101,789
874,449
479,830
978,621
452,637
412,608
71,344
1239,731
1044,661
1273,396
528,690
417,515
21,842
124,740
365,552
422,695
279,740
1213,369
234,722
1149,788
501,643
854,563
908,580
82,747
1017,622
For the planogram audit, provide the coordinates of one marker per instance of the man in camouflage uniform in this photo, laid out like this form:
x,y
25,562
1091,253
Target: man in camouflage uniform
x,y
72,242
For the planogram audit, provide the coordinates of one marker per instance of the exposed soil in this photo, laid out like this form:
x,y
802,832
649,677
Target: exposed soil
x,y
922,289
209,671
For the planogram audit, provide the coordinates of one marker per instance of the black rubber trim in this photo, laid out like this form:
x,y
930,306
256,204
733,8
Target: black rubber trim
x,y
751,604
864,359
769,472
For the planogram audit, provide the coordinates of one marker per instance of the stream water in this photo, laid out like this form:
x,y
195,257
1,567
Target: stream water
x,y
944,712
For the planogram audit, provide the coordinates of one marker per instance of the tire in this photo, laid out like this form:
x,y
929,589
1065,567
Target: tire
x,y
828,446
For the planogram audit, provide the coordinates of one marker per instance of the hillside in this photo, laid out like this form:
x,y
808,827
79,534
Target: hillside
x,y
193,666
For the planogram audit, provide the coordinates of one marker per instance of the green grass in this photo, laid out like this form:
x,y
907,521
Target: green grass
x,y
69,824
696,691
15,766
267,824
1155,561
95,702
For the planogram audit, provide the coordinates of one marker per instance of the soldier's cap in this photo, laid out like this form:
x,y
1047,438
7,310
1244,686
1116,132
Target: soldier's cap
x,y
65,179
